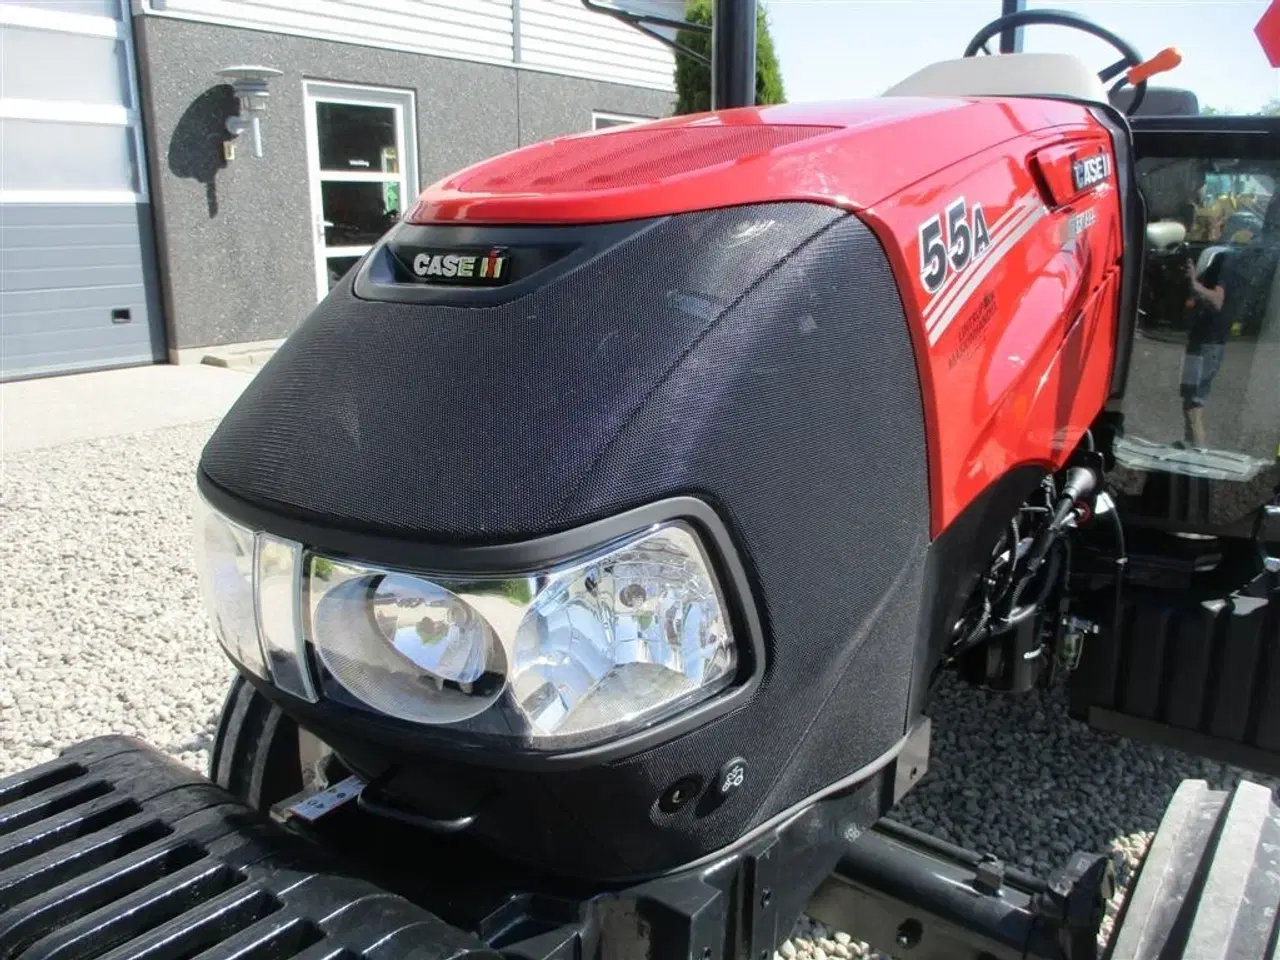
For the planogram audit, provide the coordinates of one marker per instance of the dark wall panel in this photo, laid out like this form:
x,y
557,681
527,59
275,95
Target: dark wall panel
x,y
551,105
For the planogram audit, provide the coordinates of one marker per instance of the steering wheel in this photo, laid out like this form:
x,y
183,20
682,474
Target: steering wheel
x,y
1062,18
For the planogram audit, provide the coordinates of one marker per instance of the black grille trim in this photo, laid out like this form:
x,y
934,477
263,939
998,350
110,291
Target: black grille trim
x,y
41,806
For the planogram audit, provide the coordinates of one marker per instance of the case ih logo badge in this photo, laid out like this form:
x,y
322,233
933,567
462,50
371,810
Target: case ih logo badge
x,y
485,268
1090,171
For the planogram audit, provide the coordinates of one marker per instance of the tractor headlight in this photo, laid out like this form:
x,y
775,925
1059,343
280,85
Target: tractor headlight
x,y
405,646
224,564
605,644
627,636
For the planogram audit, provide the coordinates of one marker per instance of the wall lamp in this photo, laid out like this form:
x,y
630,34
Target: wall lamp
x,y
250,86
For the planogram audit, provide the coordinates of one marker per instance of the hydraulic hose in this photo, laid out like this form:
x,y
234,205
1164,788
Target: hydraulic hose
x,y
978,633
1122,566
1017,615
1007,580
1080,483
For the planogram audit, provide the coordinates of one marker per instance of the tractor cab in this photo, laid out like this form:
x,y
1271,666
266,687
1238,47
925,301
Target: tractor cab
x,y
1196,404
1197,446
1189,657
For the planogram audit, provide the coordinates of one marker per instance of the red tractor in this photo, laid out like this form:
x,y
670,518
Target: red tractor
x,y
547,545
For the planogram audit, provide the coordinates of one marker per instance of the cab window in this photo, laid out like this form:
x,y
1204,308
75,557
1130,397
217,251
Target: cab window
x,y
1203,392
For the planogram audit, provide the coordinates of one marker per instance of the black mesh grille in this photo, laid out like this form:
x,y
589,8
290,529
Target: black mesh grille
x,y
116,852
475,423
767,369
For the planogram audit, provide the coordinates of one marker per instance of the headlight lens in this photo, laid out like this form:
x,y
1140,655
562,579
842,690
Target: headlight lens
x,y
578,654
224,564
635,633
402,645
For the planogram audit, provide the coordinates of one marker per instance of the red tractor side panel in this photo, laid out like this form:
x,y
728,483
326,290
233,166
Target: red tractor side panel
x,y
1014,298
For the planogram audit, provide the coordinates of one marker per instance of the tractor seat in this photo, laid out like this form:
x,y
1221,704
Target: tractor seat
x,y
1166,235
1005,75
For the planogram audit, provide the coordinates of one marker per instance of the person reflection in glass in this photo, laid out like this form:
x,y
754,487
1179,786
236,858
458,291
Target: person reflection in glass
x,y
1206,344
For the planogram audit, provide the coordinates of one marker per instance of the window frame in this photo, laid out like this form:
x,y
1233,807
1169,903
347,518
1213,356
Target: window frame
x,y
617,119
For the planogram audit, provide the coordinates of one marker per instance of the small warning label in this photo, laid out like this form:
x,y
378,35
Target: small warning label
x,y
972,328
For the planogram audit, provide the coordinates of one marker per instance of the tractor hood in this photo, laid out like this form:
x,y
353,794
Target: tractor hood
x,y
851,155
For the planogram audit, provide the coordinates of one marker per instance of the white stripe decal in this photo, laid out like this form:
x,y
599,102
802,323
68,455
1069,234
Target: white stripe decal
x,y
963,289
990,260
1007,222
954,276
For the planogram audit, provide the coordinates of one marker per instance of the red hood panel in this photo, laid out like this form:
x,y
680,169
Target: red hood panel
x,y
634,157
849,154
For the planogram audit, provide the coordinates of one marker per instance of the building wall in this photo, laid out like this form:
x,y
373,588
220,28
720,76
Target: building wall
x,y
563,36
560,36
552,105
235,238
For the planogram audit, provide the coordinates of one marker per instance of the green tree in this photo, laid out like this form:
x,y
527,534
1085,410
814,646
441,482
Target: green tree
x,y
693,80
1270,109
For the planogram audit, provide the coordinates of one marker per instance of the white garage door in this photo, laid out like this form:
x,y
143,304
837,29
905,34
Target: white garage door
x,y
77,265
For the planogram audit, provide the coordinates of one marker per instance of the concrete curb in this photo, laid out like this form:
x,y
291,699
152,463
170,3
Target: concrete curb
x,y
236,356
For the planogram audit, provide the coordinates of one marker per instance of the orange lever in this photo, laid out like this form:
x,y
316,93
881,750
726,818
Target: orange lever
x,y
1162,62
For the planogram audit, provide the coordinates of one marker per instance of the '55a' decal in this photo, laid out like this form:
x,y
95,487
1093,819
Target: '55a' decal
x,y
944,253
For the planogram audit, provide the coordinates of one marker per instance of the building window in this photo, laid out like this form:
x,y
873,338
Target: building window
x,y
599,121
362,158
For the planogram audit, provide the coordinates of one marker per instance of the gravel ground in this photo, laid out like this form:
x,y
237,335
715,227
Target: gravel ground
x,y
1015,776
101,626
101,631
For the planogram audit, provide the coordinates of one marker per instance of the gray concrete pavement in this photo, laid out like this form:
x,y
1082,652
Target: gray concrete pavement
x,y
53,411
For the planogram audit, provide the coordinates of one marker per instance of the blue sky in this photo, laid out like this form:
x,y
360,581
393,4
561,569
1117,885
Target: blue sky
x,y
841,49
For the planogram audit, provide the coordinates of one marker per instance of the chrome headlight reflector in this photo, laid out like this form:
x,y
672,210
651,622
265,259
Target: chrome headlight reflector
x,y
610,642
624,637
405,646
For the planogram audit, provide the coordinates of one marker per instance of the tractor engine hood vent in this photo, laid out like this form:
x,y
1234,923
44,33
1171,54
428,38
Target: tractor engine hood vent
x,y
628,158
849,155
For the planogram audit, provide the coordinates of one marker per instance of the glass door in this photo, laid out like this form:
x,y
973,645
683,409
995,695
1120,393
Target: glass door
x,y
361,155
